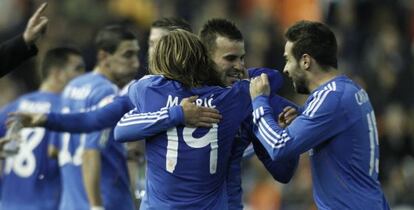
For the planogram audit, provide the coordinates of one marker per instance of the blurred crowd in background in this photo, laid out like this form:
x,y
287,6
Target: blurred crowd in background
x,y
376,49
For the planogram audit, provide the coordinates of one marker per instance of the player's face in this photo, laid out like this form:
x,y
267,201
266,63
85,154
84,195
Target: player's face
x,y
124,62
74,67
154,37
229,58
294,71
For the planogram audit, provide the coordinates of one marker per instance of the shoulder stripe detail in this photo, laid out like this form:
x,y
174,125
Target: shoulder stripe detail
x,y
315,99
140,118
319,99
319,103
274,139
131,117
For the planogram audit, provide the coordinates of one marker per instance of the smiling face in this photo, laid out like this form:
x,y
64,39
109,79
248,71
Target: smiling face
x,y
228,55
294,70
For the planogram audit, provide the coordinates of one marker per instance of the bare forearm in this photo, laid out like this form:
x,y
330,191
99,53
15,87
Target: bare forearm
x,y
91,170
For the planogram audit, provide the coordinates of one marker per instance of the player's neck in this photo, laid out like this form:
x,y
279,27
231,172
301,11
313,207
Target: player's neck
x,y
318,78
51,86
106,72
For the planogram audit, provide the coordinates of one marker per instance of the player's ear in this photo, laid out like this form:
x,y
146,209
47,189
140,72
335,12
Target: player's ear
x,y
54,74
305,62
61,76
102,55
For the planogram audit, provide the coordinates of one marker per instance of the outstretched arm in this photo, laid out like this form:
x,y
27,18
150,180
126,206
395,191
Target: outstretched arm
x,y
105,117
98,119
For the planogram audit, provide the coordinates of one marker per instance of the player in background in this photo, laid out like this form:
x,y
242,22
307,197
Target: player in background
x,y
93,166
108,116
337,126
30,178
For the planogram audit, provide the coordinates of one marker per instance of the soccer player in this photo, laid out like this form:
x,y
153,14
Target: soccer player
x,y
186,167
225,44
93,166
30,178
337,125
108,116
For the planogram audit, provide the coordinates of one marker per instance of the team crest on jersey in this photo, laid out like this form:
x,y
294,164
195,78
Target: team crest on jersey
x,y
311,152
107,100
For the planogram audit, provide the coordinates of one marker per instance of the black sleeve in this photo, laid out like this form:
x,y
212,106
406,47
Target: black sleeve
x,y
13,52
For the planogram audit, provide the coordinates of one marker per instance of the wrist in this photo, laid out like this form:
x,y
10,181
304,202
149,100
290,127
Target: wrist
x,y
42,119
260,100
177,114
97,208
27,41
27,44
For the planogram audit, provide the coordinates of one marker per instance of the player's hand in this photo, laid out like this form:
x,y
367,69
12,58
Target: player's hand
x,y
135,150
198,116
4,141
36,26
259,86
9,145
27,119
287,116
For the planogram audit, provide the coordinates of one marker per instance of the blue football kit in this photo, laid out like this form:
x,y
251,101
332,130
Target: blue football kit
x,y
30,179
246,144
186,167
338,128
84,93
108,115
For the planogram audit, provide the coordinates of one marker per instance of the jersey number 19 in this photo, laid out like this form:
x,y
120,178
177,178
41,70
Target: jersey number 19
x,y
209,139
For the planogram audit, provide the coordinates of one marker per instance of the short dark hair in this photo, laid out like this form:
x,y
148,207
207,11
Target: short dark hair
x,y
109,37
172,23
315,39
57,57
219,27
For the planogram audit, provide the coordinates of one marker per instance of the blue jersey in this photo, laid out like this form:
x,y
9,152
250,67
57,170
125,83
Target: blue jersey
x,y
84,93
338,127
281,171
109,115
186,167
30,178
172,116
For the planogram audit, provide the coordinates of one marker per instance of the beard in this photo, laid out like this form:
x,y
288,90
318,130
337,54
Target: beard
x,y
301,86
231,76
123,79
